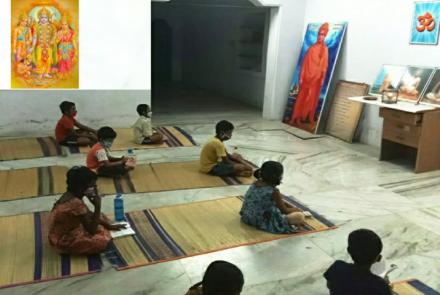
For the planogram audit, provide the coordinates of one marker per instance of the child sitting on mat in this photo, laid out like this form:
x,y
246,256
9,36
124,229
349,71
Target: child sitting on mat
x,y
364,247
215,160
73,227
99,159
142,130
65,132
221,278
263,205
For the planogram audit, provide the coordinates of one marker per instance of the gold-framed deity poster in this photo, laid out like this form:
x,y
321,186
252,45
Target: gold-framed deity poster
x,y
44,43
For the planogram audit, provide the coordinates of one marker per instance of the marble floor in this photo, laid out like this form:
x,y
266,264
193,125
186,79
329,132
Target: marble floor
x,y
344,182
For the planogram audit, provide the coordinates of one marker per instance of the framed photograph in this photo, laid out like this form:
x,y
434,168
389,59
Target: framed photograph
x,y
431,95
388,78
44,44
413,82
313,75
426,23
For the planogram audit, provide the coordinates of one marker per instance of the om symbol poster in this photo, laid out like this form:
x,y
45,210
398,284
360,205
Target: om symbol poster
x,y
425,24
44,43
313,75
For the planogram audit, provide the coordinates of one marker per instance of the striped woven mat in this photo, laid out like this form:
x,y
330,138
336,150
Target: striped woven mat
x,y
179,231
26,256
156,177
39,147
413,287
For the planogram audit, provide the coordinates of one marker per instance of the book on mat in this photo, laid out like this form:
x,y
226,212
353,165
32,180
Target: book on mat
x,y
128,231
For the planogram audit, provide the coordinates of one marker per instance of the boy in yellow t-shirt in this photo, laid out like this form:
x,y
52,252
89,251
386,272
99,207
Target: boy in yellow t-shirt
x,y
215,160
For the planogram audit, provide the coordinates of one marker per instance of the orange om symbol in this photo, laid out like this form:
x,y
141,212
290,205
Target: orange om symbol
x,y
426,22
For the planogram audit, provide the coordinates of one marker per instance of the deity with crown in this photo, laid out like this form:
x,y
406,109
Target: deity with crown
x,y
43,44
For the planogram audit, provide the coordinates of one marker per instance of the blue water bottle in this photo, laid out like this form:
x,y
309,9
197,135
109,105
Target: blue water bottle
x,y
119,208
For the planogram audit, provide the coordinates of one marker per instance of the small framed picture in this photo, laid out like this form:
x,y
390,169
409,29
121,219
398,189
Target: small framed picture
x,y
426,23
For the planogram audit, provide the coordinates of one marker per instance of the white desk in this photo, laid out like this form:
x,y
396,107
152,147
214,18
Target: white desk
x,y
405,106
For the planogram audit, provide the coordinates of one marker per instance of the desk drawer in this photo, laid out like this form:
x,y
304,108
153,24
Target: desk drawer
x,y
400,116
401,133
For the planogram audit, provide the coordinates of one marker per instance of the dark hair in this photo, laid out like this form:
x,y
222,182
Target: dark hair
x,y
78,179
271,172
364,246
65,106
221,278
106,132
223,126
142,108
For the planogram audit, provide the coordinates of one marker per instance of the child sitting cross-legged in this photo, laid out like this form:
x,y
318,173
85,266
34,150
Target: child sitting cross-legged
x,y
143,130
65,131
215,160
264,207
100,160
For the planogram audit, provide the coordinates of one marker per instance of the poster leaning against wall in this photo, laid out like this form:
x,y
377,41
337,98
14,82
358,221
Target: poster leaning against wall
x,y
313,74
44,43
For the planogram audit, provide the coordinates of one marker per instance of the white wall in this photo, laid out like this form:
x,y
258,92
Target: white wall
x,y
35,112
285,40
114,44
378,33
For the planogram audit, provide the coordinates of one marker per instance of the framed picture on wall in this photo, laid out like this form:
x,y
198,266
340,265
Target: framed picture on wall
x,y
44,44
432,93
425,23
414,82
388,78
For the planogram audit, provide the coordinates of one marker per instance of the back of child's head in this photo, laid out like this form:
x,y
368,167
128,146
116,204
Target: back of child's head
x,y
223,126
364,246
271,172
142,109
222,278
65,106
79,178
106,133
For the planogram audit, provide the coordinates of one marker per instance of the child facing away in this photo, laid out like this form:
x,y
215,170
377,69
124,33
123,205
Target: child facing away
x,y
215,160
99,159
142,130
364,247
263,205
220,278
65,132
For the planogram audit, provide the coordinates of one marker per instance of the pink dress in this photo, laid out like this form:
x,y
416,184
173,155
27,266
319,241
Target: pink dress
x,y
67,233
66,53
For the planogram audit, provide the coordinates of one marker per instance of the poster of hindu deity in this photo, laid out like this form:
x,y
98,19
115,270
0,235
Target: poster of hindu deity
x,y
425,24
44,43
313,74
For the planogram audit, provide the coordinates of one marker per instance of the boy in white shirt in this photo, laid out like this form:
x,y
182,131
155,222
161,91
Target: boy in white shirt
x,y
143,130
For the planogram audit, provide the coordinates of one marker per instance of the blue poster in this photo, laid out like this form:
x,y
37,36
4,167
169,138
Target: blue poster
x,y
425,24
313,74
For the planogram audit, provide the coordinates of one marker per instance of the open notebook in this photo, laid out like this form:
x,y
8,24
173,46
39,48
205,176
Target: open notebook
x,y
128,231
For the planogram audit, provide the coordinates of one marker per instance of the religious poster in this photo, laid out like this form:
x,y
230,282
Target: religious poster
x,y
413,82
432,92
388,78
313,74
44,43
425,24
